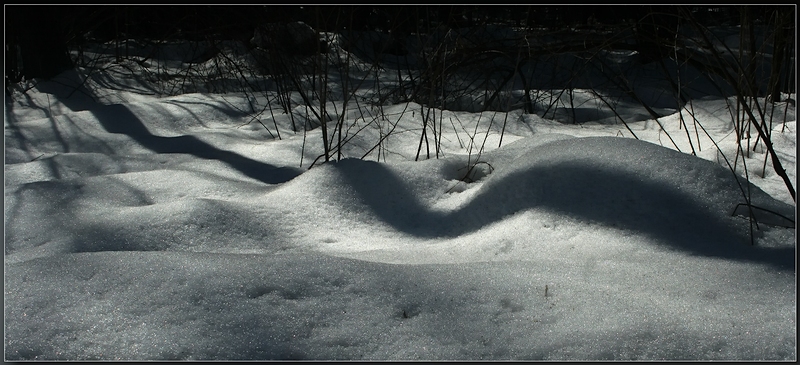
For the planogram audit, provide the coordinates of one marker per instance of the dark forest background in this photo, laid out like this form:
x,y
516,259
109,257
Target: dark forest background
x,y
38,37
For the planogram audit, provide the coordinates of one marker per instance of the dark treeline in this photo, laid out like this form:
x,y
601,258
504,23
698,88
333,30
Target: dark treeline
x,y
187,22
38,37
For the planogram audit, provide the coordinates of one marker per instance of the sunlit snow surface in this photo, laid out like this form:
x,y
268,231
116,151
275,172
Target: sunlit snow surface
x,y
139,227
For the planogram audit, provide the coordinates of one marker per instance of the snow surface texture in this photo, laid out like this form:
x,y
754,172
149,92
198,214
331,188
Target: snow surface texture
x,y
139,227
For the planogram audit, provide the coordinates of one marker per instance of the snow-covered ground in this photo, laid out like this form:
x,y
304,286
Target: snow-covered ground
x,y
141,226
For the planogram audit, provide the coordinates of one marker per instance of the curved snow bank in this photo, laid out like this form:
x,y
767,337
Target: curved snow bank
x,y
675,200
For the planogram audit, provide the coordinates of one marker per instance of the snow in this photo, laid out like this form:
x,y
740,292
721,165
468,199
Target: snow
x,y
140,226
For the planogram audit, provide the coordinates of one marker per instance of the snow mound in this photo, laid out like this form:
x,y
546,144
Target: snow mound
x,y
673,200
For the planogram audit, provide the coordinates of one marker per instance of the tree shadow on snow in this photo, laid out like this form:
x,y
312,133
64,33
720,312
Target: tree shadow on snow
x,y
598,196
118,119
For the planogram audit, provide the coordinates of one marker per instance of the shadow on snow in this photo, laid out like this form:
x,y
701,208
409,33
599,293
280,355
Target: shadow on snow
x,y
118,119
607,197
